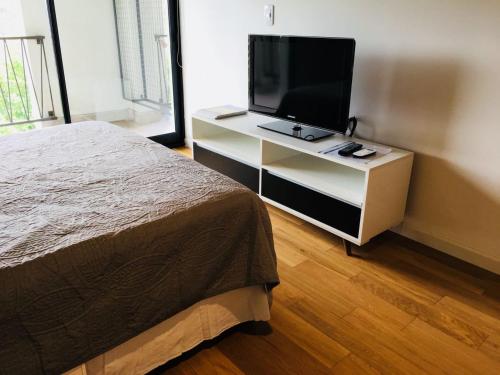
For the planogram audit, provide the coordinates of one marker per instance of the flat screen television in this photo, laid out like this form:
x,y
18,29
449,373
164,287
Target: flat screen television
x,y
304,82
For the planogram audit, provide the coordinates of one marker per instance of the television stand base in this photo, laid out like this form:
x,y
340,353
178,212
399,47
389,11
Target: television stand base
x,y
347,247
293,129
353,199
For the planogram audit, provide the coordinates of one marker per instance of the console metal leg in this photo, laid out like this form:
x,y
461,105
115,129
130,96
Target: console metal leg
x,y
347,247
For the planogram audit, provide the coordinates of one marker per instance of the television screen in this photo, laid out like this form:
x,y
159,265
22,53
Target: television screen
x,y
302,79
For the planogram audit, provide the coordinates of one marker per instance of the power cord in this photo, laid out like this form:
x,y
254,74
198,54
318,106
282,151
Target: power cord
x,y
351,125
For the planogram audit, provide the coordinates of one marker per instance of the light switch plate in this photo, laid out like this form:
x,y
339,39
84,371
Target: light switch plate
x,y
269,14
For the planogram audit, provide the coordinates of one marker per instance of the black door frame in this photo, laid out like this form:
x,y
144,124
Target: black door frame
x,y
175,139
54,30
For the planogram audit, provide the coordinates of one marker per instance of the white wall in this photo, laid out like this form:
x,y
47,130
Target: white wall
x,y
11,19
427,78
90,54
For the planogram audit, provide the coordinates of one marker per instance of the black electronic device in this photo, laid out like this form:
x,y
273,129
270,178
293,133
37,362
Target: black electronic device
x,y
304,82
350,149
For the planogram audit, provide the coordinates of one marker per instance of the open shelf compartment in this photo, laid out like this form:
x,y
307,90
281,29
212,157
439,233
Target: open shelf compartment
x,y
240,147
325,176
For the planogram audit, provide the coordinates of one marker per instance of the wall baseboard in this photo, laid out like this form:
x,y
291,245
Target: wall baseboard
x,y
451,249
114,115
146,116
127,114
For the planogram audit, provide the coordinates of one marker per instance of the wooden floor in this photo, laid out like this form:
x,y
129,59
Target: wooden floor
x,y
393,308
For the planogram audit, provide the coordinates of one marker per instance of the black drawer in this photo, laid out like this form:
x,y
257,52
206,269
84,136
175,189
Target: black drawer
x,y
328,210
243,173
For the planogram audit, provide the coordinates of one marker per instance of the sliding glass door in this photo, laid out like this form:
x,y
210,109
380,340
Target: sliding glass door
x,y
147,36
65,61
122,64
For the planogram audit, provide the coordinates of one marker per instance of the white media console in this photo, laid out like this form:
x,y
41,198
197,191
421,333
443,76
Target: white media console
x,y
352,198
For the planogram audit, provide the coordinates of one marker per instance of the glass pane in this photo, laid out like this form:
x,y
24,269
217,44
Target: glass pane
x,y
117,62
29,90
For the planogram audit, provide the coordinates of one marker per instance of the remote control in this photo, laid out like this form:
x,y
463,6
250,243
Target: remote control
x,y
364,153
348,150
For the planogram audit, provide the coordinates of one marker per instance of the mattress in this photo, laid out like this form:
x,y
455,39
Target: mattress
x,y
104,234
204,320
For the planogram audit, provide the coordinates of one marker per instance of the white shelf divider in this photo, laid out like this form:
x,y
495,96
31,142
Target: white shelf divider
x,y
240,147
341,182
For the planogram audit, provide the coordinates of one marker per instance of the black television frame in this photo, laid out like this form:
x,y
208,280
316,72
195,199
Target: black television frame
x,y
265,110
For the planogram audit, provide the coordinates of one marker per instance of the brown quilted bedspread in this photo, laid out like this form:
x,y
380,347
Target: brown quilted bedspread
x,y
104,234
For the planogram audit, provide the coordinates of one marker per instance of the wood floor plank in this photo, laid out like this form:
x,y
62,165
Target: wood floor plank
x,y
354,365
491,347
315,244
404,298
182,368
385,270
321,288
301,236
362,343
269,354
492,289
485,322
349,291
484,303
437,283
452,353
315,342
436,287
425,310
286,254
212,361
287,294
438,269
277,214
186,151
405,346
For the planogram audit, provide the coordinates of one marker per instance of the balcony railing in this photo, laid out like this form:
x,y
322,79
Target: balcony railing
x,y
25,85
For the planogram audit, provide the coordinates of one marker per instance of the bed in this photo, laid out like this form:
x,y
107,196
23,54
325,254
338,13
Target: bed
x,y
110,243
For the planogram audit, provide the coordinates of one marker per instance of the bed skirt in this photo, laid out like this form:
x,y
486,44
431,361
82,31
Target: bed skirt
x,y
204,320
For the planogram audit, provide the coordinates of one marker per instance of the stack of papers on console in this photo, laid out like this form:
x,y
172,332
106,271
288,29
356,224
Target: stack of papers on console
x,y
334,151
